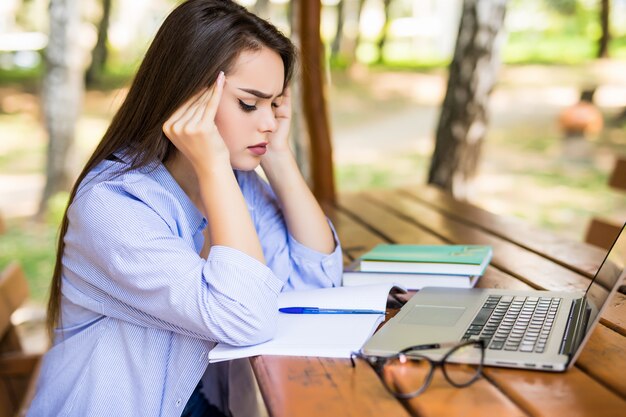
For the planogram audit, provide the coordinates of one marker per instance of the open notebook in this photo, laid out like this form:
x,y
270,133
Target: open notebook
x,y
326,335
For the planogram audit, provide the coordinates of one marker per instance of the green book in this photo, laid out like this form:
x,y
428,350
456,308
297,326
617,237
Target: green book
x,y
429,259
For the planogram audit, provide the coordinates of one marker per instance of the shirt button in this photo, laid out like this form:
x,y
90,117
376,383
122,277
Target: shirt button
x,y
179,402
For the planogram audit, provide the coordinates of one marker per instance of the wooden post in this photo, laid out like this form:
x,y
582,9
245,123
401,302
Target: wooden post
x,y
314,102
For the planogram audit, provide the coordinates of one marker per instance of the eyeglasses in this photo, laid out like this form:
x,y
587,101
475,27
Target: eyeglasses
x,y
408,373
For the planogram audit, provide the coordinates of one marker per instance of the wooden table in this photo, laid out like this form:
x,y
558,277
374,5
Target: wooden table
x,y
524,257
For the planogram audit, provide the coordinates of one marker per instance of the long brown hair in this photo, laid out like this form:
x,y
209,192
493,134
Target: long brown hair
x,y
196,41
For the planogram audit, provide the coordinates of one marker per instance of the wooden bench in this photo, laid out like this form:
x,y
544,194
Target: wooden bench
x,y
18,370
602,232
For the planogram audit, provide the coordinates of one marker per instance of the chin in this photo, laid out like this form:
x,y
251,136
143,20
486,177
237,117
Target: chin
x,y
245,164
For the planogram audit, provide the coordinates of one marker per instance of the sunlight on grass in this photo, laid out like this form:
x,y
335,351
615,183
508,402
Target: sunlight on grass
x,y
394,171
33,245
547,49
22,147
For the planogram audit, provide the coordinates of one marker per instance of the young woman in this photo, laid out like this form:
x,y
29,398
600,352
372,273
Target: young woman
x,y
172,242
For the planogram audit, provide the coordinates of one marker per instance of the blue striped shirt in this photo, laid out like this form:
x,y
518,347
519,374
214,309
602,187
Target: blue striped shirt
x,y
141,309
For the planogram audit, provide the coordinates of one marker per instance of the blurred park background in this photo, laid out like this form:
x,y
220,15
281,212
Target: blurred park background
x,y
387,71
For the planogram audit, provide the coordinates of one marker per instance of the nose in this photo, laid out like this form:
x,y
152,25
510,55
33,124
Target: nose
x,y
268,123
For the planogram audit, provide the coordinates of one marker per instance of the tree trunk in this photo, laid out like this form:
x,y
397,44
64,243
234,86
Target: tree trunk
x,y
313,91
383,37
354,44
336,45
463,121
63,87
100,52
603,47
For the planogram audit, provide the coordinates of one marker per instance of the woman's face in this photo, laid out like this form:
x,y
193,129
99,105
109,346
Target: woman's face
x,y
245,116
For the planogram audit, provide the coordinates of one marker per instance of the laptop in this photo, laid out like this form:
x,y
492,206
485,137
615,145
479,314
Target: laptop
x,y
534,329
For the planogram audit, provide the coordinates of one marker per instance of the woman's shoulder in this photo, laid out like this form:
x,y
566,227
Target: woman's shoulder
x,y
115,177
152,187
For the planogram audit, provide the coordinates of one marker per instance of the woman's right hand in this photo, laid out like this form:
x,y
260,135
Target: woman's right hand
x,y
191,128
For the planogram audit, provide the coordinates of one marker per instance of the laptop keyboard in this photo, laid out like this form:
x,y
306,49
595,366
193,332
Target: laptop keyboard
x,y
514,323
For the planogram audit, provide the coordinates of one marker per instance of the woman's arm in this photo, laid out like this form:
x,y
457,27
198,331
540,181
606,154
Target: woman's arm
x,y
131,253
304,217
192,130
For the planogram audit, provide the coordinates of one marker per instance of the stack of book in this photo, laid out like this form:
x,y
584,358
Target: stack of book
x,y
417,266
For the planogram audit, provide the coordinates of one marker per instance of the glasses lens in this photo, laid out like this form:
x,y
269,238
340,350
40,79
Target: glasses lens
x,y
463,364
405,376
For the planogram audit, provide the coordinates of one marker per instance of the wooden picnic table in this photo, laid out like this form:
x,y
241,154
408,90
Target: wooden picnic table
x,y
524,257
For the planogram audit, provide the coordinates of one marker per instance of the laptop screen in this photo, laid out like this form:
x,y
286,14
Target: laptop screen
x,y
606,278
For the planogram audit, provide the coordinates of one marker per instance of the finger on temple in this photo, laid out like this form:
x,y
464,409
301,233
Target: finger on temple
x,y
211,108
184,109
197,109
201,105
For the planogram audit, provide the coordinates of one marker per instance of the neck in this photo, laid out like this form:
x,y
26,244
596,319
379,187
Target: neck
x,y
180,168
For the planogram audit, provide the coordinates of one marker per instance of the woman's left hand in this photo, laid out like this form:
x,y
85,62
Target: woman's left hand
x,y
279,139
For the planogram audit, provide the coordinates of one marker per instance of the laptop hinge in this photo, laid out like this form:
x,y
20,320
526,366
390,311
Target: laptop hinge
x,y
576,326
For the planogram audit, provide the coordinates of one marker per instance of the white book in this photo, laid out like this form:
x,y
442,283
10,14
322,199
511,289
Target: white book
x,y
410,281
324,335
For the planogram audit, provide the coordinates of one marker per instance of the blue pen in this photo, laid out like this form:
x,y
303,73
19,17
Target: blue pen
x,y
315,310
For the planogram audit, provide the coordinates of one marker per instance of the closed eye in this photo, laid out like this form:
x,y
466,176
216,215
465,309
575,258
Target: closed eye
x,y
246,107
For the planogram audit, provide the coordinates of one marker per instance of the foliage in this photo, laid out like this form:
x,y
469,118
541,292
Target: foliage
x,y
566,7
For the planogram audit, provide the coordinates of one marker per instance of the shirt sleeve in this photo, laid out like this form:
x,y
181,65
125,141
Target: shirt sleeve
x,y
297,265
121,253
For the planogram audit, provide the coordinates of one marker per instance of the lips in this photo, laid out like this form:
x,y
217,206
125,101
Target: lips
x,y
259,148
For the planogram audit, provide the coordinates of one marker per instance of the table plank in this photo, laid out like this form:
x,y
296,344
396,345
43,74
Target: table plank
x,y
355,238
579,256
527,266
480,399
383,223
544,394
306,386
614,316
603,358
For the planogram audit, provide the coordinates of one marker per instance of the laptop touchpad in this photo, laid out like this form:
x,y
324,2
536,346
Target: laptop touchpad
x,y
433,315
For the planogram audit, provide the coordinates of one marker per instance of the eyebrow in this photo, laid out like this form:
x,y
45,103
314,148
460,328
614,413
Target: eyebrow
x,y
257,93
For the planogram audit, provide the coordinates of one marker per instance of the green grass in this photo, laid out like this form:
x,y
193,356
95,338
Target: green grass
x,y
587,179
26,79
114,76
33,245
393,171
542,48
